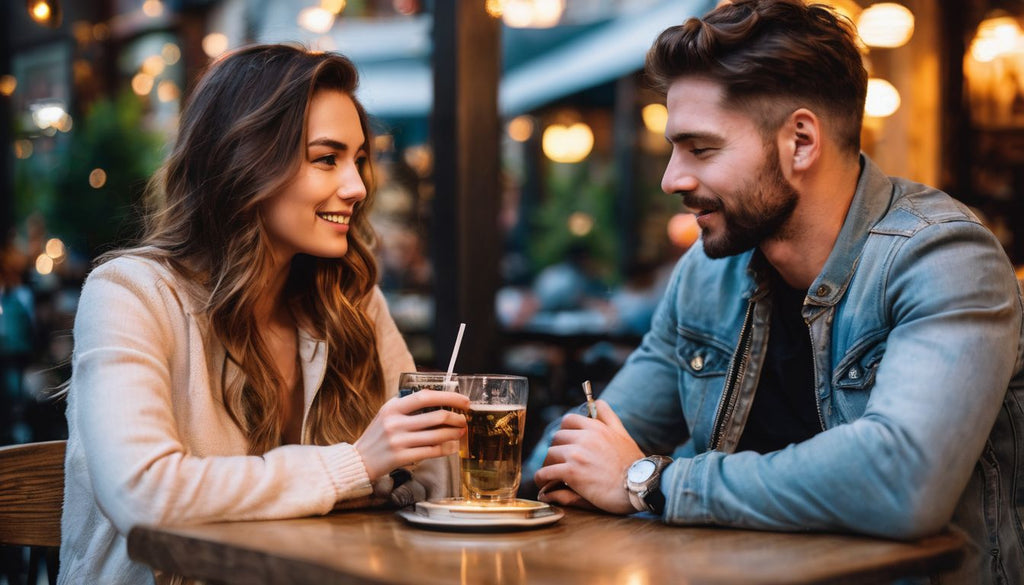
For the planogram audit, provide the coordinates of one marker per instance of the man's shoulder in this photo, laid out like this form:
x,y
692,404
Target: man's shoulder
x,y
916,206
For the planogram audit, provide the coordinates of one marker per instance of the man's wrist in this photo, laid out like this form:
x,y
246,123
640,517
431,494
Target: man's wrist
x,y
643,484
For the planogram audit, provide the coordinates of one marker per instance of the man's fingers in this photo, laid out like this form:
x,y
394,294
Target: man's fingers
x,y
606,415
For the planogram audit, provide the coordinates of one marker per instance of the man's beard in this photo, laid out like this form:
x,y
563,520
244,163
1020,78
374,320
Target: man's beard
x,y
763,206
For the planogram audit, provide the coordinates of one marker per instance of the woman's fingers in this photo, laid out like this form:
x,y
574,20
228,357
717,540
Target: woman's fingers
x,y
432,399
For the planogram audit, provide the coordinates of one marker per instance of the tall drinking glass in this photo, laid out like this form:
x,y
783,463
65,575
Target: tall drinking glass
x,y
491,450
409,382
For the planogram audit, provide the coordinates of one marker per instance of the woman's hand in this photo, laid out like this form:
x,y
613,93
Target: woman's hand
x,y
402,435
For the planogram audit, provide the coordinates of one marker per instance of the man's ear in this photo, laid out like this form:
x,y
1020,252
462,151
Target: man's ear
x,y
800,138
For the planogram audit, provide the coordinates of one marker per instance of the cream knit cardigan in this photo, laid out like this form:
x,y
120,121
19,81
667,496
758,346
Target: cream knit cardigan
x,y
149,439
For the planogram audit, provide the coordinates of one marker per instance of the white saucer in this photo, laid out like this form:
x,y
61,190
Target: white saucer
x,y
481,522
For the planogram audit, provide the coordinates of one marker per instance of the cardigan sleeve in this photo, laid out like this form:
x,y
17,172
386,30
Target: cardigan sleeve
x,y
137,368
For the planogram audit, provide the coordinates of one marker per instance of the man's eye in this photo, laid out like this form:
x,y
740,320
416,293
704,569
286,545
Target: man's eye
x,y
700,151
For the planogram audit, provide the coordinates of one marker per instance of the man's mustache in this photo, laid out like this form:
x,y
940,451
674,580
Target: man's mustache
x,y
694,201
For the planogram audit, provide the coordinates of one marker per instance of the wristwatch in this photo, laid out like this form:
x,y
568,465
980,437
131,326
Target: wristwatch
x,y
642,483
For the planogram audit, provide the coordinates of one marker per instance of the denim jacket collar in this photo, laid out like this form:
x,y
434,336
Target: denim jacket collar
x,y
871,201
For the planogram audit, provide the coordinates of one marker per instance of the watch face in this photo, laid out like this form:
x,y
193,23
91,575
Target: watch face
x,y
640,471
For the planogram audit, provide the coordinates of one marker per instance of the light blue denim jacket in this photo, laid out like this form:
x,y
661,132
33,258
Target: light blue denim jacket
x,y
916,328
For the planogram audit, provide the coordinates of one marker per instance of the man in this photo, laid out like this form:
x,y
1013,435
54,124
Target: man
x,y
835,353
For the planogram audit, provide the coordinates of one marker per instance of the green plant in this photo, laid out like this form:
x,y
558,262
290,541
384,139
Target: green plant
x,y
112,137
572,188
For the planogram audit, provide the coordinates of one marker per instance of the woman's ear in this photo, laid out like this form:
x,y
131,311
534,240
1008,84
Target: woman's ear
x,y
800,137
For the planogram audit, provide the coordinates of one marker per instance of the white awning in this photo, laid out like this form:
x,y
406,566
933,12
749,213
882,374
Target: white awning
x,y
396,81
607,53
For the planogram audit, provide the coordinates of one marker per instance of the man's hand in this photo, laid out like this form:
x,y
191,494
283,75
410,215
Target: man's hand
x,y
587,461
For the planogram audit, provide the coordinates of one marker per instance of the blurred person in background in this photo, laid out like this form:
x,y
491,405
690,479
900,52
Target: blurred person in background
x,y
238,363
17,341
841,351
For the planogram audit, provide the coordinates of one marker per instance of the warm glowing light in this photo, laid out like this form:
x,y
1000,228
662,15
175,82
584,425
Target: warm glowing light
x,y
22,148
152,8
167,91
64,124
82,70
886,25
882,100
142,83
82,31
532,13
494,8
520,128
316,20
44,264
40,11
683,230
171,53
333,6
48,115
100,31
567,144
97,178
214,44
846,8
153,65
997,36
8,83
655,117
580,223
383,143
54,248
420,158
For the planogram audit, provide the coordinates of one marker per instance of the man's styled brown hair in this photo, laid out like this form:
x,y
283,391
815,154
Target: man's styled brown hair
x,y
771,57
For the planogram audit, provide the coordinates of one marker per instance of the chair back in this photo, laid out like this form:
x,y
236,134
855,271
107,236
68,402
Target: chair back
x,y
31,493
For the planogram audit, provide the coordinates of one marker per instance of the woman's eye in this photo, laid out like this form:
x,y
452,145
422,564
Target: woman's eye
x,y
329,159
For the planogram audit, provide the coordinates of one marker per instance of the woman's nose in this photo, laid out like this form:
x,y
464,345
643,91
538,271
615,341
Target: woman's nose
x,y
351,185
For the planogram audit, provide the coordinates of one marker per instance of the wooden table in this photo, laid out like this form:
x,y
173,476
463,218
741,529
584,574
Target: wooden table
x,y
582,548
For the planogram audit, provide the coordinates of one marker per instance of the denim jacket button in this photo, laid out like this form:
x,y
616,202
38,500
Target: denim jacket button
x,y
853,374
823,290
697,363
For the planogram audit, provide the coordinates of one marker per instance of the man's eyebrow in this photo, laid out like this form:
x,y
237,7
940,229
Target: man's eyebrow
x,y
685,136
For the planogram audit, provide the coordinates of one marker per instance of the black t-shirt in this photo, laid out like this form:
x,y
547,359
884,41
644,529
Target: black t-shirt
x,y
785,406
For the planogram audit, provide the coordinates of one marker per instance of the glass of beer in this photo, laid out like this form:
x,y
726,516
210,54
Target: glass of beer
x,y
491,450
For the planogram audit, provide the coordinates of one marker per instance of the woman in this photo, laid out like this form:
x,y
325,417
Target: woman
x,y
237,364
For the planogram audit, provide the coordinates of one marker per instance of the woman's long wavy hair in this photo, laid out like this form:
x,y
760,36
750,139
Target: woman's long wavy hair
x,y
241,139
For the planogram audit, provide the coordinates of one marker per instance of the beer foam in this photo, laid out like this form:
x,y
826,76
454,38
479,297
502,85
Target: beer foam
x,y
496,407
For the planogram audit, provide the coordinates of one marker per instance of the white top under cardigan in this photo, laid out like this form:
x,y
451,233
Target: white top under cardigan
x,y
150,441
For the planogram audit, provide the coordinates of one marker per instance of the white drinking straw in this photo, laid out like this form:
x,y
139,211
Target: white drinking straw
x,y
455,353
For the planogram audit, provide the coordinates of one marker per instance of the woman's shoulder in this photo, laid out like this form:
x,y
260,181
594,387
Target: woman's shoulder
x,y
141,274
133,267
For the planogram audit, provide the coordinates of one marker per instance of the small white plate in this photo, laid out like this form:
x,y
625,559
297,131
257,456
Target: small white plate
x,y
483,524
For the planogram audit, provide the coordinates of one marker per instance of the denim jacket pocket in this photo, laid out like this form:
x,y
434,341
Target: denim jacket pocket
x,y
856,371
854,377
701,356
703,362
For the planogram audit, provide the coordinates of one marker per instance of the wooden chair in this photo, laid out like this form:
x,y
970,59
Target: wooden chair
x,y
31,499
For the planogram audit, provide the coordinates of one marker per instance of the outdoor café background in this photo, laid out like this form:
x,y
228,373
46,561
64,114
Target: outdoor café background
x,y
91,91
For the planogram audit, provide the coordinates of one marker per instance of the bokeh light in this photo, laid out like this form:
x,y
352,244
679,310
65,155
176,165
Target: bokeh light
x,y
97,178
